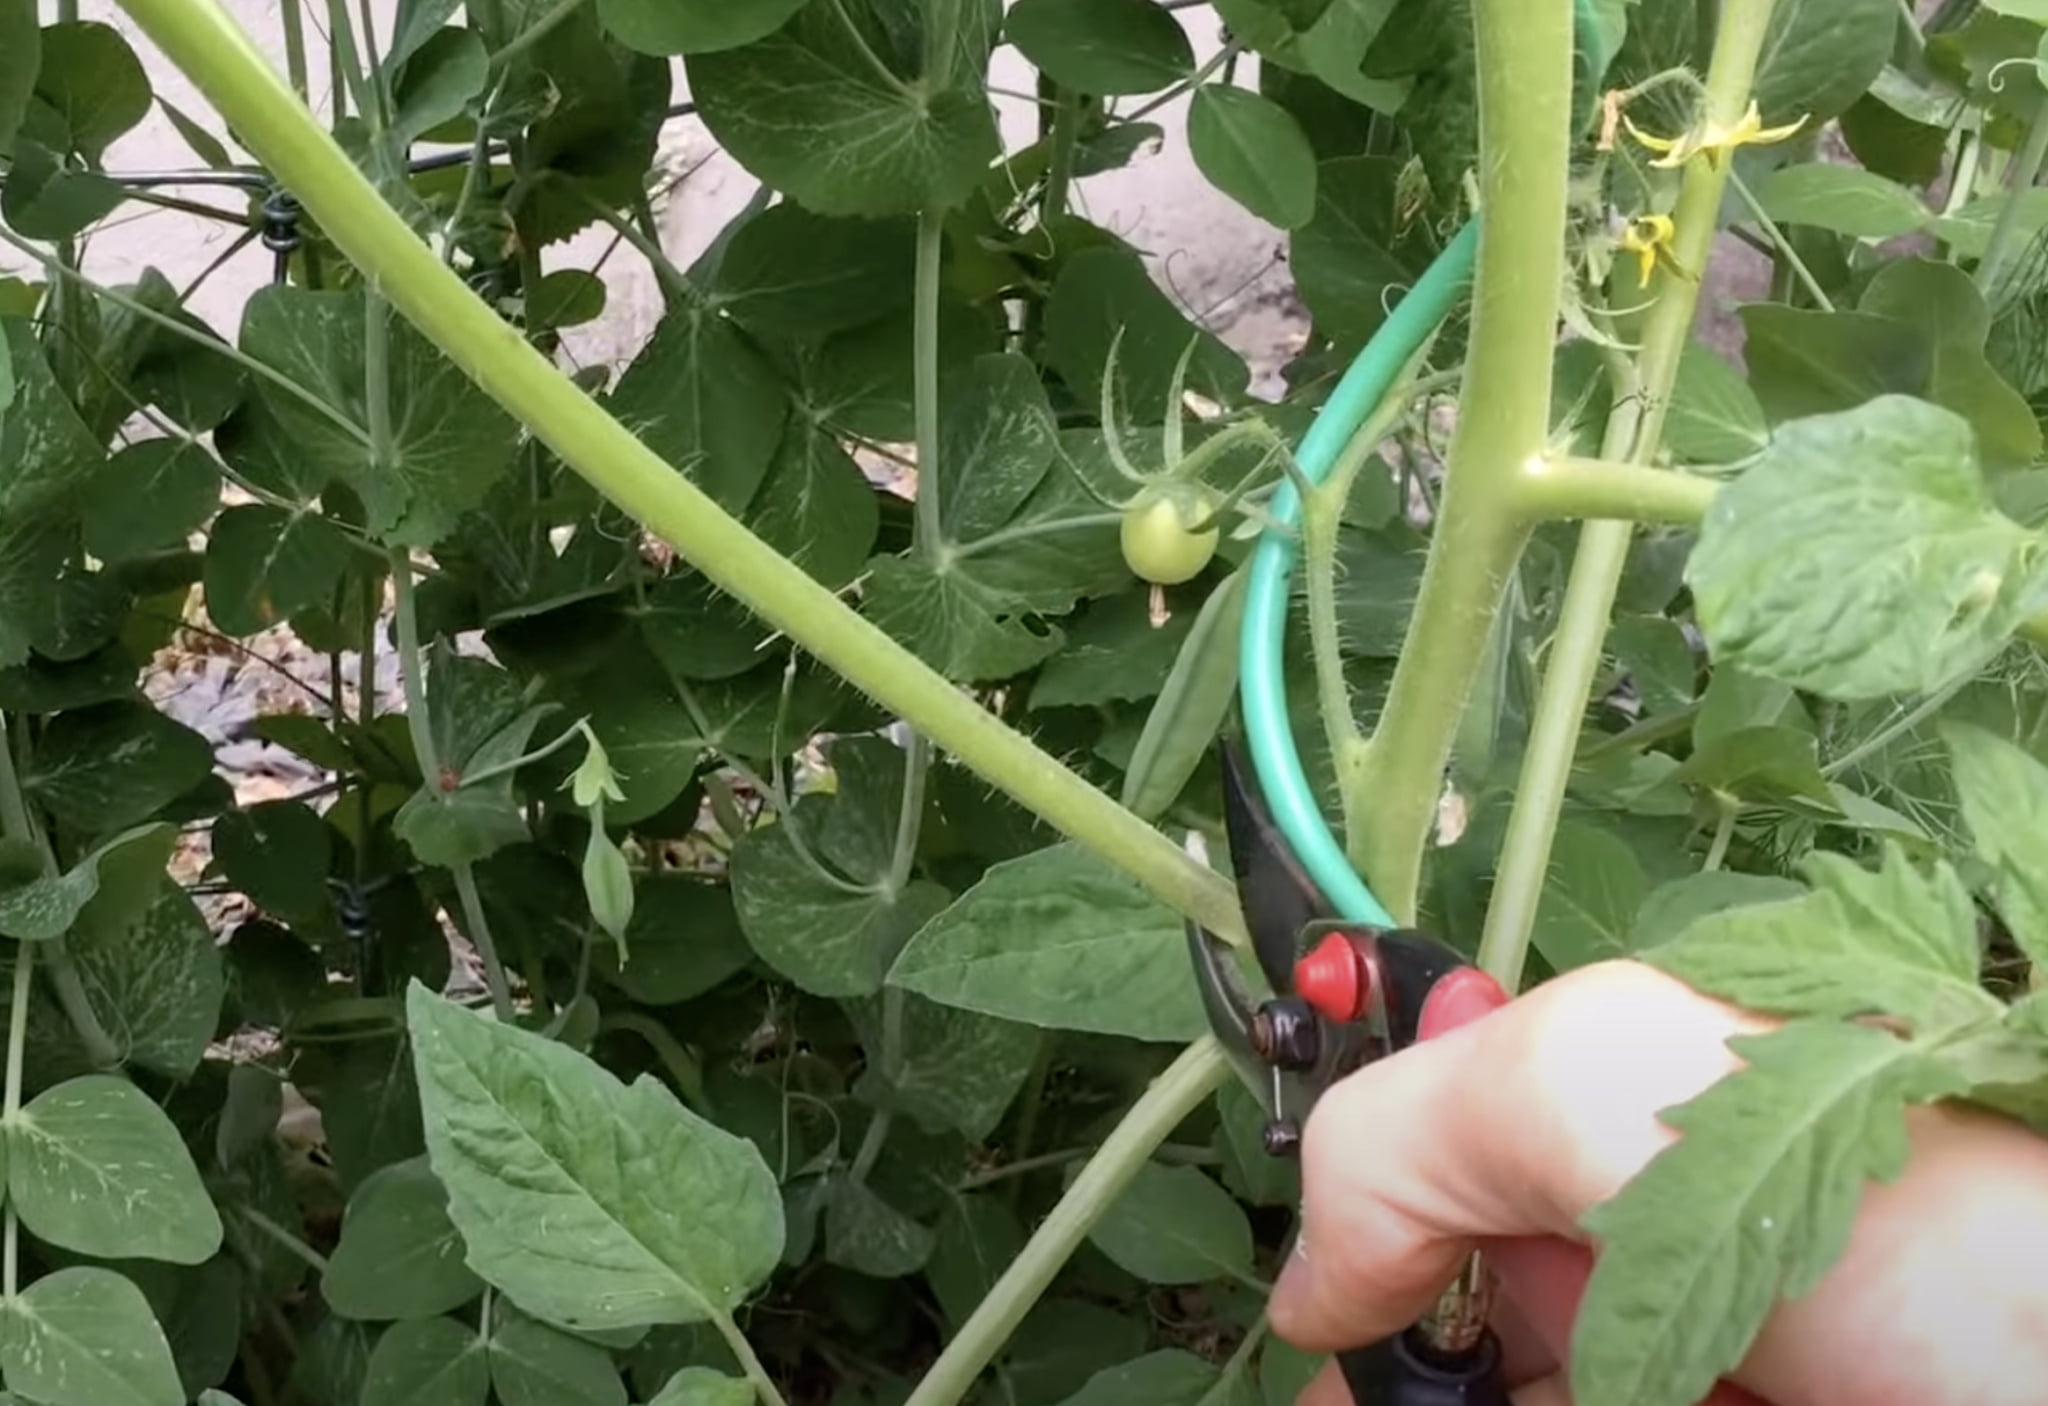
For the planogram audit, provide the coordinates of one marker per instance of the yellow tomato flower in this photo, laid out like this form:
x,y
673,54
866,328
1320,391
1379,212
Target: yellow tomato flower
x,y
1712,139
1648,237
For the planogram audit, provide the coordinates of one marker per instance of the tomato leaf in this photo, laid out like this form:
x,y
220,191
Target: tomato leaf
x,y
1059,939
1894,940
1753,1204
1861,555
558,1178
2003,790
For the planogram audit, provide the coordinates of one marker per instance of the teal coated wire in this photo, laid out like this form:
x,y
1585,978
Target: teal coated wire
x,y
1262,688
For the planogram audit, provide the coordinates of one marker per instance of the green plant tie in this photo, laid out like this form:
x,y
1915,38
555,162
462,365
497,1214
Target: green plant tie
x,y
1262,689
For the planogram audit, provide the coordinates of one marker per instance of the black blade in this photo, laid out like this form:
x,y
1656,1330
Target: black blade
x,y
1277,895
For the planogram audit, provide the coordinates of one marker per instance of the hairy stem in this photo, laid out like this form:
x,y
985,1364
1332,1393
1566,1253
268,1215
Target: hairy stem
x,y
1525,68
211,49
1198,1073
1633,434
1565,488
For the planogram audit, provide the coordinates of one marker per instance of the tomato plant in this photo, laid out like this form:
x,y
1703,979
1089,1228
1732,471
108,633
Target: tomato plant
x,y
757,902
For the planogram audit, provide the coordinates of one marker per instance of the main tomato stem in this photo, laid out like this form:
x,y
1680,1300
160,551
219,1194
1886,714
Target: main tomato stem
x,y
1635,428
1525,79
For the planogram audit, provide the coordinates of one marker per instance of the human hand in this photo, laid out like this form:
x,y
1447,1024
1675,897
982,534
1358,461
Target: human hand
x,y
1501,1135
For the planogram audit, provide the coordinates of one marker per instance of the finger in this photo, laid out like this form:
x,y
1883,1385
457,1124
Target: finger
x,y
1513,1126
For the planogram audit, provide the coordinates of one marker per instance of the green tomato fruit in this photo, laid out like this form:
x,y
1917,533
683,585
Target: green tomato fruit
x,y
1159,541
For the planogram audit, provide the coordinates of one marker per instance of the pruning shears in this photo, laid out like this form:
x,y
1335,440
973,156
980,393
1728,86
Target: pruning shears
x,y
1344,994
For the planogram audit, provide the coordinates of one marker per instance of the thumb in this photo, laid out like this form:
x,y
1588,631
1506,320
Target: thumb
x,y
1512,1126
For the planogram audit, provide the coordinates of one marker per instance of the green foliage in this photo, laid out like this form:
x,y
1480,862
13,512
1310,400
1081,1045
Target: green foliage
x,y
684,1028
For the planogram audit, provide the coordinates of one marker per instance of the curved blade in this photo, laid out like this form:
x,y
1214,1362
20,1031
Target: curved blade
x,y
1278,897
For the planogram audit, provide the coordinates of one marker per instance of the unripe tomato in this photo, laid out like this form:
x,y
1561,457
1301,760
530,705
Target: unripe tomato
x,y
1159,541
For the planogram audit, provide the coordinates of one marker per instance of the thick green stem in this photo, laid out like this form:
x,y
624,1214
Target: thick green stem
x,y
1525,75
1198,1073
207,45
2026,170
1633,433
1566,488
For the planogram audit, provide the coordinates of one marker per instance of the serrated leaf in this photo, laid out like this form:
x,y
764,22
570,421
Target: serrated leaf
x,y
428,1362
2003,791
45,907
95,1166
1670,909
701,1386
1172,1225
399,1256
852,125
1060,939
1844,199
563,1180
952,621
1861,556
944,1067
1106,48
1894,940
533,1364
1252,149
86,1337
1754,1202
